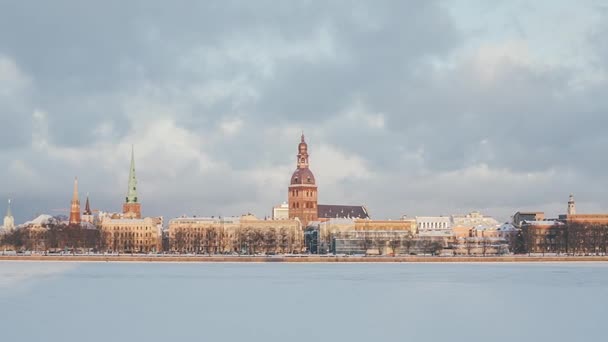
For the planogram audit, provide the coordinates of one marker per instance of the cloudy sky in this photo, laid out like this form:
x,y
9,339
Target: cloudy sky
x,y
409,107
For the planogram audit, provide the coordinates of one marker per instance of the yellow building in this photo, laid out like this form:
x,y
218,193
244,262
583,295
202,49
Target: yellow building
x,y
127,235
244,235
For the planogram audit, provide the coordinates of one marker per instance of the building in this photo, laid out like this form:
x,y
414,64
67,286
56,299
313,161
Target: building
x,y
361,236
521,216
281,212
9,220
132,208
243,235
129,232
302,191
543,236
303,198
434,225
131,235
75,206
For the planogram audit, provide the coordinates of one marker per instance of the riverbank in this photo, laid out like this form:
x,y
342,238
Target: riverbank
x,y
300,259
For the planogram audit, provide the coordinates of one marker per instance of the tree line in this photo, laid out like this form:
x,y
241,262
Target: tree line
x,y
54,237
243,241
567,239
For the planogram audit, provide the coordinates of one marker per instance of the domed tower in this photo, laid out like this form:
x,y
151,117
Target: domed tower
x,y
303,189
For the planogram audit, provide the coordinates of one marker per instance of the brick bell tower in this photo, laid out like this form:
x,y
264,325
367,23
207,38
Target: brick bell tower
x,y
132,208
302,196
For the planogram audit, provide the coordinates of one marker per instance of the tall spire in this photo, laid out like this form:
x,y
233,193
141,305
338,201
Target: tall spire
x,y
9,213
9,220
132,192
87,207
75,207
302,153
132,208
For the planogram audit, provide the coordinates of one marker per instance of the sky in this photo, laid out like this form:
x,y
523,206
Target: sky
x,y
409,107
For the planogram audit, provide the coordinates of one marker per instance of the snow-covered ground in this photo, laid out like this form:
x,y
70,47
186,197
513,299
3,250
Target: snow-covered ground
x,y
302,302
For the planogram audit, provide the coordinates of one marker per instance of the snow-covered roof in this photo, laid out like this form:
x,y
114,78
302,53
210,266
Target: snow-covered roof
x,y
41,220
507,227
542,223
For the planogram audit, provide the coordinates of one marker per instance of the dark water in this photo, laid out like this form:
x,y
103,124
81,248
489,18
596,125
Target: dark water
x,y
302,302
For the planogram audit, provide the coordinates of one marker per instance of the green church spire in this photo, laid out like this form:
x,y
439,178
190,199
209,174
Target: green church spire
x,y
132,192
8,211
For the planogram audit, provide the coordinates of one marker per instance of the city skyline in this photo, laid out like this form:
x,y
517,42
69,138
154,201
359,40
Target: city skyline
x,y
429,108
74,212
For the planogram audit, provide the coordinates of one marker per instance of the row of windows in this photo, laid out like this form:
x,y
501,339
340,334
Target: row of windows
x,y
433,225
308,180
307,205
307,193
132,228
128,234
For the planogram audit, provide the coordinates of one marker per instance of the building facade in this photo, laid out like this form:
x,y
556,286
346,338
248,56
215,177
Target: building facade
x,y
358,236
242,235
281,212
434,225
131,235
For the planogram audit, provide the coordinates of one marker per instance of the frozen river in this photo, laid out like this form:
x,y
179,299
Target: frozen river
x,y
302,302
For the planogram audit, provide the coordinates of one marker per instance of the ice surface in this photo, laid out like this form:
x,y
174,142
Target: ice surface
x,y
302,302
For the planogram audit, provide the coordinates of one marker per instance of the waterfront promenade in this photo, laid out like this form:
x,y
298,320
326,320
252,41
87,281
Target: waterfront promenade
x,y
302,258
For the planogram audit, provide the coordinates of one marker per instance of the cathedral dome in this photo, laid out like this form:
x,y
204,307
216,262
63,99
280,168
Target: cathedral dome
x,y
302,176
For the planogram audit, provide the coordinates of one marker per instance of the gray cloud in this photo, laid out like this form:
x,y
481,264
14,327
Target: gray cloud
x,y
405,111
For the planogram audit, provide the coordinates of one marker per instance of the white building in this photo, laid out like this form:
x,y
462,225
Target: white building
x,y
281,212
434,225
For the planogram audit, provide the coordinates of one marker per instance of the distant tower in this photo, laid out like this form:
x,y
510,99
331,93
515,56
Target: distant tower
x,y
75,207
9,220
302,196
132,208
87,215
571,205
